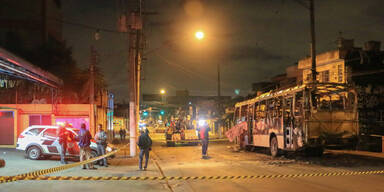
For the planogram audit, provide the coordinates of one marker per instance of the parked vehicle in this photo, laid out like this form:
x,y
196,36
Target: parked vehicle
x,y
41,141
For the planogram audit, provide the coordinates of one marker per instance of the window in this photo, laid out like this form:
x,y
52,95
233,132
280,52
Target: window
x,y
325,76
35,131
50,133
299,104
339,73
243,112
40,120
262,109
309,77
237,115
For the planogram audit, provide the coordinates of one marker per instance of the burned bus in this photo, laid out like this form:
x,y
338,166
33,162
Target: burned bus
x,y
306,117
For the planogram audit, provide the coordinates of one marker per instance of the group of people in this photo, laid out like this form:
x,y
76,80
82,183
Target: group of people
x,y
144,142
84,139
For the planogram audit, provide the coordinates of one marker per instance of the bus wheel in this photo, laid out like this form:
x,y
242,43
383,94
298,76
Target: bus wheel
x,y
273,147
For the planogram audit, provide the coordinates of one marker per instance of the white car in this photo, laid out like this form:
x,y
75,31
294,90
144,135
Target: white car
x,y
41,141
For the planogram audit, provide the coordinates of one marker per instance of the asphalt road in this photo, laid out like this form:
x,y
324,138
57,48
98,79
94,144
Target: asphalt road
x,y
186,161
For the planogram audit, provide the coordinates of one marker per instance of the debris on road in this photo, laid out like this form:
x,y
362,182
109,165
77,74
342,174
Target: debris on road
x,y
2,163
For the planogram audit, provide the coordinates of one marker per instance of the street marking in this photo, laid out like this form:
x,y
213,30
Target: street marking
x,y
156,178
36,174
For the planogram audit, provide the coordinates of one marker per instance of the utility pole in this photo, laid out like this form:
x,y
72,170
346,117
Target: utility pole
x,y
311,9
218,82
92,88
132,95
218,98
135,33
313,40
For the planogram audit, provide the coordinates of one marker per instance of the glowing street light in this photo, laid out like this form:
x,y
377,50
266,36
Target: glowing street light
x,y
199,35
162,92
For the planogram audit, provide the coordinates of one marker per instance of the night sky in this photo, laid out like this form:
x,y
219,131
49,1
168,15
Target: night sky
x,y
252,39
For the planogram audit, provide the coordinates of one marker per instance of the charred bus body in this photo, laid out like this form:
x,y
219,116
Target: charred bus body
x,y
311,116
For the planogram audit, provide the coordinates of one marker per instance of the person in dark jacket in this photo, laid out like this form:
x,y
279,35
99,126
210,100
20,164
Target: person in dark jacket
x,y
124,134
84,144
144,143
101,141
204,135
62,135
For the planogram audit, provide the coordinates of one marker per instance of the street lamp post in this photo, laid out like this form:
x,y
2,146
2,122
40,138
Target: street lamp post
x,y
200,36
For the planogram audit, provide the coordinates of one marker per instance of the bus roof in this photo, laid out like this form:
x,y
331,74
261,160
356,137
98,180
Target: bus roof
x,y
321,88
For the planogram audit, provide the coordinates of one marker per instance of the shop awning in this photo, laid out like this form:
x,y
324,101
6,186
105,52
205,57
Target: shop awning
x,y
17,67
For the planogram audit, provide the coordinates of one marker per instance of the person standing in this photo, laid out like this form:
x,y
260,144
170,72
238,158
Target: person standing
x,y
121,132
204,136
101,141
62,135
124,133
84,144
144,143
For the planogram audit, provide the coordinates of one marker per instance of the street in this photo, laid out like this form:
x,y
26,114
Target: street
x,y
223,161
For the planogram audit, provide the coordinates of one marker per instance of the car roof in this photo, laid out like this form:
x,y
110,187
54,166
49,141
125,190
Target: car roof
x,y
48,126
42,126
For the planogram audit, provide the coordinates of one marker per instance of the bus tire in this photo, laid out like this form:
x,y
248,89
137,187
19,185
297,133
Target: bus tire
x,y
273,147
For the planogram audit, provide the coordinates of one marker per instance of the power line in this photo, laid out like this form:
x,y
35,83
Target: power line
x,y
37,15
87,26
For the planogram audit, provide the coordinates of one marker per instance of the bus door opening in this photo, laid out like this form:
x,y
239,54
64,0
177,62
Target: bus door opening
x,y
288,122
251,122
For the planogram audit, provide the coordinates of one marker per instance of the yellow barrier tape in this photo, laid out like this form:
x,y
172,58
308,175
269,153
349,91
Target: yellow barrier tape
x,y
6,179
126,178
189,141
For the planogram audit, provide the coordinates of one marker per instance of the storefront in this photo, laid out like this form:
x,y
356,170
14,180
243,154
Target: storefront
x,y
14,118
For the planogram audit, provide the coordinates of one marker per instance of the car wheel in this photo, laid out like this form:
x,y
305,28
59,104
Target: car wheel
x,y
274,147
33,153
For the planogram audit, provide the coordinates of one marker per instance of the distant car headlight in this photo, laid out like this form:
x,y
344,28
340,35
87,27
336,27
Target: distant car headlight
x,y
202,122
